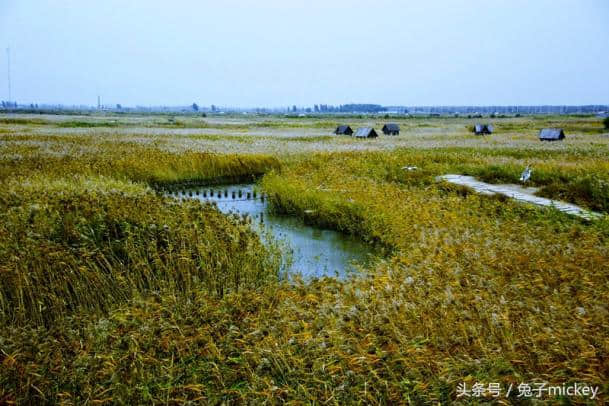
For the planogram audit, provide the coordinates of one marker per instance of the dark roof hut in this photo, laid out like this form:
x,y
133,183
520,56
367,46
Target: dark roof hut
x,y
480,129
343,130
365,132
391,129
551,134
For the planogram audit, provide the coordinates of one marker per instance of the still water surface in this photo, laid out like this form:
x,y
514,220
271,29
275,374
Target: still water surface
x,y
315,252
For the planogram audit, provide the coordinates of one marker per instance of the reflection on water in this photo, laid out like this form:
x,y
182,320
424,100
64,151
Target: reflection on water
x,y
315,252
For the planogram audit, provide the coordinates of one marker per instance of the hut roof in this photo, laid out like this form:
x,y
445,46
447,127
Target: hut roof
x,y
343,129
365,132
391,127
551,134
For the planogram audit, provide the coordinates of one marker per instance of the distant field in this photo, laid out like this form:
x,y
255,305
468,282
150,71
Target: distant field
x,y
264,134
112,293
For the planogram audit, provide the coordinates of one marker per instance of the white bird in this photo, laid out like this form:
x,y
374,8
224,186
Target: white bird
x,y
526,174
410,168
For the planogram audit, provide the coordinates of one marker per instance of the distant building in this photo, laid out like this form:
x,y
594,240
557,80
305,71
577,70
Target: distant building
x,y
365,132
343,130
551,134
391,129
481,129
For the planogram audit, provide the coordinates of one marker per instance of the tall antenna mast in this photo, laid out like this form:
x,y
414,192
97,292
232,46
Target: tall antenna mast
x,y
8,60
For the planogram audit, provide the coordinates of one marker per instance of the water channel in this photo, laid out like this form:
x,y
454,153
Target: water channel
x,y
314,252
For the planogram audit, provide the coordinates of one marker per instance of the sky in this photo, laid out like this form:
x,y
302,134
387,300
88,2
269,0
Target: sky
x,y
280,53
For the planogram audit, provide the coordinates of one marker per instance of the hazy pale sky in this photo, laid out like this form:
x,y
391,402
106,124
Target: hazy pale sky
x,y
278,53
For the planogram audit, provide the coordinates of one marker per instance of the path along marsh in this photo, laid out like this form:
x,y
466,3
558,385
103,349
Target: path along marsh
x,y
113,292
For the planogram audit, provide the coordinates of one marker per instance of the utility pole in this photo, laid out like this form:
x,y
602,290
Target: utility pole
x,y
8,61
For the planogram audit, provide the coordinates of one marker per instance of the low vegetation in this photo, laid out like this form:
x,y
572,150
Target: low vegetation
x,y
112,293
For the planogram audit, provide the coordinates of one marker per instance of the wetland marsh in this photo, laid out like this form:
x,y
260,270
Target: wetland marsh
x,y
309,252
113,292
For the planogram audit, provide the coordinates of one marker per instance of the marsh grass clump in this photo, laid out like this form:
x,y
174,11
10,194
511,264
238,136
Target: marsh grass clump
x,y
505,276
87,124
578,177
68,249
22,121
134,162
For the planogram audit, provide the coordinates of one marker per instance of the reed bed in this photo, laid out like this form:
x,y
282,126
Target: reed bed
x,y
130,161
478,288
86,244
580,177
111,293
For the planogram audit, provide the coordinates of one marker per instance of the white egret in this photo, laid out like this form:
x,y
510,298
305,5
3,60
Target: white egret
x,y
526,174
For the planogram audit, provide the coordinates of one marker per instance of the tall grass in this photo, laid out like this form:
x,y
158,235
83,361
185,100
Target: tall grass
x,y
78,244
479,289
111,293
135,162
573,176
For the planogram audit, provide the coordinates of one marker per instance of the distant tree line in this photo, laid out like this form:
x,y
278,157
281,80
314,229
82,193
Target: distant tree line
x,y
357,108
349,108
542,109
